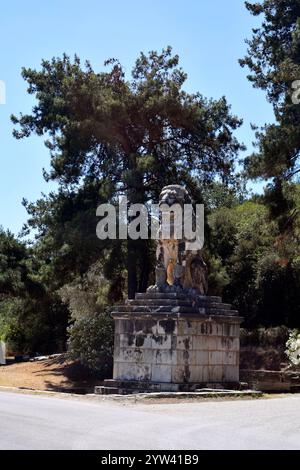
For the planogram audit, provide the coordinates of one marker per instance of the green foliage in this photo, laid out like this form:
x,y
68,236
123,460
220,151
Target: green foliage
x,y
32,318
90,294
263,348
273,58
13,267
91,342
260,273
265,337
274,62
91,331
218,278
145,130
217,194
33,325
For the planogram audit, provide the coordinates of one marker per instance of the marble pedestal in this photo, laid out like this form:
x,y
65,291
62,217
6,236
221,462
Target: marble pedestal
x,y
169,342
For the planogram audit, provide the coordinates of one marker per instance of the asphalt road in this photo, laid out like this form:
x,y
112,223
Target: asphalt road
x,y
42,422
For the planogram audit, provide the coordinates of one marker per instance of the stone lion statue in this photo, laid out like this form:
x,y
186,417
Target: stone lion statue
x,y
178,268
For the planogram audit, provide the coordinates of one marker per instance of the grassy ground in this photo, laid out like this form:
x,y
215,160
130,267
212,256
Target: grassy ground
x,y
55,374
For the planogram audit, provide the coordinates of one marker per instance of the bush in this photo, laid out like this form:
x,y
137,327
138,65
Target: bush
x,y
293,347
265,337
264,348
91,342
33,325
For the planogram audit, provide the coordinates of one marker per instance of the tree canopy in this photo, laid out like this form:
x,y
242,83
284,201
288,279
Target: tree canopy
x,y
273,59
129,136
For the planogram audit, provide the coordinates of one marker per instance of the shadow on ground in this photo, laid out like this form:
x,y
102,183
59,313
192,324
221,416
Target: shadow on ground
x,y
54,374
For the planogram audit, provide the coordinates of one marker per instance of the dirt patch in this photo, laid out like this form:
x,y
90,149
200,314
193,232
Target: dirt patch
x,y
54,374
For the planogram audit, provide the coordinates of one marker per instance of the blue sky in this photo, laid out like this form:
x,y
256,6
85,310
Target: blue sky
x,y
208,35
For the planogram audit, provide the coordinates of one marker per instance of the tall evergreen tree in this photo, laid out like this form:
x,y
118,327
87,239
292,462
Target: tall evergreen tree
x,y
131,136
273,58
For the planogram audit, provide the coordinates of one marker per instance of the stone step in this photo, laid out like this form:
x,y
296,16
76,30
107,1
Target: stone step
x,y
157,303
219,306
176,295
218,311
210,298
160,302
160,295
171,310
163,315
155,309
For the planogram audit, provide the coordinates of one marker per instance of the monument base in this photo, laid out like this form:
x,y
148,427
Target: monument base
x,y
168,342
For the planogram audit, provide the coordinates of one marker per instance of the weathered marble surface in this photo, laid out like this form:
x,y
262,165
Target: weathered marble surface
x,y
163,338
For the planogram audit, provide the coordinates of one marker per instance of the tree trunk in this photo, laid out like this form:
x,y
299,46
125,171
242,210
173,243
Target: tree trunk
x,y
144,265
135,195
131,268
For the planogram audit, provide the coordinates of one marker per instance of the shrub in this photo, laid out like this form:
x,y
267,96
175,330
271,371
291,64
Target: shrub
x,y
91,342
264,348
265,337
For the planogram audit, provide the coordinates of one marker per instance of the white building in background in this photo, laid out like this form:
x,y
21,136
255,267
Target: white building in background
x,y
2,353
